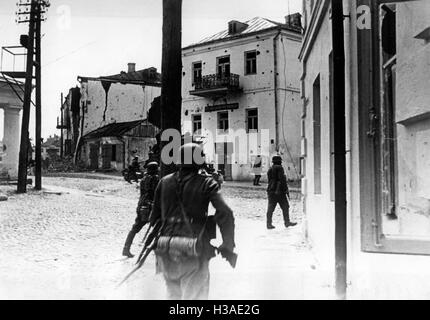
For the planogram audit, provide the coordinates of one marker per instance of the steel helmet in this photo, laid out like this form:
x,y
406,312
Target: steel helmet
x,y
190,155
277,159
152,167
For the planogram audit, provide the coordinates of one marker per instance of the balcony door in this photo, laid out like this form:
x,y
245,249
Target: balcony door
x,y
223,67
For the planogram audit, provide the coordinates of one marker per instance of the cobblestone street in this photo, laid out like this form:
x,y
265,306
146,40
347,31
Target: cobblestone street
x,y
66,241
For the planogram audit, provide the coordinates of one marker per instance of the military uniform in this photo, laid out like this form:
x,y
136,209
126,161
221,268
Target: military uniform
x,y
276,192
134,168
257,170
143,210
188,278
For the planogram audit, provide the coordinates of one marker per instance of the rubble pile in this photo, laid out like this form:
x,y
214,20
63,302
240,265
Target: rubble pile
x,y
57,164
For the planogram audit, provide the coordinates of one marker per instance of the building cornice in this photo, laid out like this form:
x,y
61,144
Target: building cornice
x,y
136,82
317,16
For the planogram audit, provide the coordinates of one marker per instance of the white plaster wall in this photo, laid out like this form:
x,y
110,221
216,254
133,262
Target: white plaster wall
x,y
289,104
241,168
11,141
319,208
11,128
258,92
127,102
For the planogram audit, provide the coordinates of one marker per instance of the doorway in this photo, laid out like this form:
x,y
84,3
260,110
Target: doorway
x,y
106,156
224,153
94,156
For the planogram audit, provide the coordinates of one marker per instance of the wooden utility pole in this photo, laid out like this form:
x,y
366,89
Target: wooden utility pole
x,y
38,169
171,87
34,17
23,152
61,130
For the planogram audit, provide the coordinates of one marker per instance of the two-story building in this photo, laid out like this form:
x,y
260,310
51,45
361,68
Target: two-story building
x,y
241,95
387,144
105,119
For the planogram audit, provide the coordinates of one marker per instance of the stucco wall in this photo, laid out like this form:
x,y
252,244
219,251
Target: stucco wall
x,y
258,92
289,104
11,131
319,208
126,102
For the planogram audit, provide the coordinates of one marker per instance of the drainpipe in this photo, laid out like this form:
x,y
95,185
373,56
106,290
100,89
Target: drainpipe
x,y
349,51
339,146
275,86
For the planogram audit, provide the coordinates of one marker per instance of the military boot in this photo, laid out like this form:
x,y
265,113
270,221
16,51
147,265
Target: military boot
x,y
290,224
269,225
126,251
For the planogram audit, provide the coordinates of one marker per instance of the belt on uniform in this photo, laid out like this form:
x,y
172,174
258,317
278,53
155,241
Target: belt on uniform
x,y
193,221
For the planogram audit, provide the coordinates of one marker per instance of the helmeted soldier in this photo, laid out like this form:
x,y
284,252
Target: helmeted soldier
x,y
134,168
144,206
181,203
277,192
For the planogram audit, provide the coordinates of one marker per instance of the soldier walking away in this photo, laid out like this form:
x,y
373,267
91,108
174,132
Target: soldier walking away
x,y
277,192
134,168
257,170
144,206
183,249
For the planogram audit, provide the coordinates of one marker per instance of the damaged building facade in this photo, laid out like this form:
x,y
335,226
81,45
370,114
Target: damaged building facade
x,y
105,119
11,106
241,95
387,120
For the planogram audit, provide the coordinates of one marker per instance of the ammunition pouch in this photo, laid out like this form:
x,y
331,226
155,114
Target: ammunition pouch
x,y
143,212
178,248
180,243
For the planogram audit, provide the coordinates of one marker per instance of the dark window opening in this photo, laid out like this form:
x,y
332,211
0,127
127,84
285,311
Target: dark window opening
x,y
113,157
317,134
197,123
252,120
251,62
223,66
223,121
197,72
388,139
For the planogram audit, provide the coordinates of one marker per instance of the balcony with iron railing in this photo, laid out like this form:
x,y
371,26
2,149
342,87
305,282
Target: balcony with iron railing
x,y
216,85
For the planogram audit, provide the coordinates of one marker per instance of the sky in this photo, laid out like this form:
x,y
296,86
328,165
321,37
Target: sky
x,y
99,37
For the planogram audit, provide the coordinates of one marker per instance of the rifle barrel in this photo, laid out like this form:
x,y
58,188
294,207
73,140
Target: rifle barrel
x,y
136,268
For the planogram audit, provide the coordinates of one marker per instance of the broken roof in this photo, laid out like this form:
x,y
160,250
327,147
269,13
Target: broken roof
x,y
148,76
255,25
117,129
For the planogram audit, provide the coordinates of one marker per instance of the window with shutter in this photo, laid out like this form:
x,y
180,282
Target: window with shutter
x,y
395,128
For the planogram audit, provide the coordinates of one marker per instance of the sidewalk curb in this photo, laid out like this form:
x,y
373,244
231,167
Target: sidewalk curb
x,y
227,185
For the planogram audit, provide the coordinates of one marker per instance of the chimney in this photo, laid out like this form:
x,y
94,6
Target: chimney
x,y
235,27
131,67
294,20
